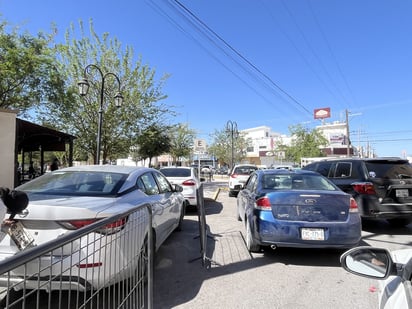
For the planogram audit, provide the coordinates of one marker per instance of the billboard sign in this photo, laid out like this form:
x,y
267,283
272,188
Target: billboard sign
x,y
321,113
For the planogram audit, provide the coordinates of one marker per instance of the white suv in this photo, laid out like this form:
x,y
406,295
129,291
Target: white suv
x,y
187,178
238,176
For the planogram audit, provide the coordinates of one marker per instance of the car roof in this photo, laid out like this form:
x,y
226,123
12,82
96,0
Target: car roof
x,y
181,167
377,159
106,168
285,172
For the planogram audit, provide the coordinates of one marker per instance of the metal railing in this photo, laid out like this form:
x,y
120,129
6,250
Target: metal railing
x,y
86,268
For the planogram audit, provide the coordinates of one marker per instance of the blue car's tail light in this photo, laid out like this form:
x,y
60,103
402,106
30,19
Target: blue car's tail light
x,y
263,203
353,205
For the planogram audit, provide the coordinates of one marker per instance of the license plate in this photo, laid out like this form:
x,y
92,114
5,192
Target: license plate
x,y
402,192
312,234
21,238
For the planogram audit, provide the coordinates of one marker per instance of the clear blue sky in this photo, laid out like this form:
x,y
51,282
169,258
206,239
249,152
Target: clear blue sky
x,y
262,62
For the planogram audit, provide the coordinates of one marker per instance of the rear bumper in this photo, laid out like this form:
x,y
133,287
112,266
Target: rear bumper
x,y
370,207
268,231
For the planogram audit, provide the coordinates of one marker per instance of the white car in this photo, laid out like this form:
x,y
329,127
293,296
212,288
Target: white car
x,y
68,199
187,178
392,269
238,177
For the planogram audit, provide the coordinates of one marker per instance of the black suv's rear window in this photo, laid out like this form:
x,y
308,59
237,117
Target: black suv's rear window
x,y
389,170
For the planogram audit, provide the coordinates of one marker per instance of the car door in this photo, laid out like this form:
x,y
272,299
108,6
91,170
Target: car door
x,y
246,196
147,183
169,201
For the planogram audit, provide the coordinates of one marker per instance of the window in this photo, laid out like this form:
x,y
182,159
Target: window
x,y
251,183
164,185
343,169
323,168
175,172
148,184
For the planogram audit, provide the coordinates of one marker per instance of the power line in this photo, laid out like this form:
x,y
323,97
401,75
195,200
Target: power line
x,y
217,40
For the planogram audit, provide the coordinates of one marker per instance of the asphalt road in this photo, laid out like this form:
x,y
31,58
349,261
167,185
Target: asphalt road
x,y
281,278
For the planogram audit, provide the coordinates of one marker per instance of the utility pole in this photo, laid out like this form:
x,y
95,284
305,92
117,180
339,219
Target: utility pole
x,y
347,134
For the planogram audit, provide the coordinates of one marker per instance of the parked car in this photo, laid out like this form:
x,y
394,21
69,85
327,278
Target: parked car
x,y
187,178
282,208
287,167
238,176
392,269
382,187
207,169
70,198
223,170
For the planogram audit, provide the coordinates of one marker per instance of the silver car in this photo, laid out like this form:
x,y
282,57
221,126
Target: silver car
x,y
392,269
70,198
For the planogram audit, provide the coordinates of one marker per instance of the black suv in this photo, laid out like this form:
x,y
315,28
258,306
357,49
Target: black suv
x,y
382,187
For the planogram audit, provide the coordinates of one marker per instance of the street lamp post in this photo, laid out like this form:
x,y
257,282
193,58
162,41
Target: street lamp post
x,y
84,88
231,127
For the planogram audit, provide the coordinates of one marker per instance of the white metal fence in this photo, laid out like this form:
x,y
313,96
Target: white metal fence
x,y
67,272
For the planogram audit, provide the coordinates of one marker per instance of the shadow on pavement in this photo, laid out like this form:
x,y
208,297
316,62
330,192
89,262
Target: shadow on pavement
x,y
179,273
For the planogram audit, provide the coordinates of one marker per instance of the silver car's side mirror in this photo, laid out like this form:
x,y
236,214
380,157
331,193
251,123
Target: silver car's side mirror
x,y
368,262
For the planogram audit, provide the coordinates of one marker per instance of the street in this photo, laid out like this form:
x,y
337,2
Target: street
x,y
281,278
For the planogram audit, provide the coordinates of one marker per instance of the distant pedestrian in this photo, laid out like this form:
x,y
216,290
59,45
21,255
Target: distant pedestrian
x,y
32,172
55,165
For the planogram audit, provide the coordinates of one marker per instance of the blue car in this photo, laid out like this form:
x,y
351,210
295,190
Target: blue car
x,y
283,208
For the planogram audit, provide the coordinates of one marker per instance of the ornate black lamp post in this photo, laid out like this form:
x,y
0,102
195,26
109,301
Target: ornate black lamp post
x,y
231,128
84,88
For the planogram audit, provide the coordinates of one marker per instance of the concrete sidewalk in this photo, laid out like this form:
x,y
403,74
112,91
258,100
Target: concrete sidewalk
x,y
179,271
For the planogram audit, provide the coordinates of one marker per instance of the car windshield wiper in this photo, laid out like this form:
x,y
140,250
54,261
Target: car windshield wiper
x,y
402,176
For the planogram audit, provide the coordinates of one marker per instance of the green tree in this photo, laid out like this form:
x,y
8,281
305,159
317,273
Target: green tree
x,y
181,141
79,115
153,142
305,143
221,146
28,76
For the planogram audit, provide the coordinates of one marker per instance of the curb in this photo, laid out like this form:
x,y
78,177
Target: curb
x,y
216,194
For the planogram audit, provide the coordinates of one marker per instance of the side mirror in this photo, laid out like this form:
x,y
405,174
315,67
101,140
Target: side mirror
x,y
238,187
368,262
177,188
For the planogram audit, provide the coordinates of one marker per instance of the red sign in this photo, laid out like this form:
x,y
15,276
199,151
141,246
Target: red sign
x,y
321,113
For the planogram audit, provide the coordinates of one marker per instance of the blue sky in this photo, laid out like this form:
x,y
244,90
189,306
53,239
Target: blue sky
x,y
262,62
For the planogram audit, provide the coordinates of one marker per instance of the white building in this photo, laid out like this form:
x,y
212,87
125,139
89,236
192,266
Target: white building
x,y
263,145
336,134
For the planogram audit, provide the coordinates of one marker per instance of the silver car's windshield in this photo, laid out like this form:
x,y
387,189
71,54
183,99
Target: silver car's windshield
x,y
76,183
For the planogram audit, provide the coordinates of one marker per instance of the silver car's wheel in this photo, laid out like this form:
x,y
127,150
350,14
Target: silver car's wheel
x,y
251,245
182,215
237,214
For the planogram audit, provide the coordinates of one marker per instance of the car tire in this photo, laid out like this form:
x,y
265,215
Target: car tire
x,y
251,245
143,265
238,217
232,193
182,215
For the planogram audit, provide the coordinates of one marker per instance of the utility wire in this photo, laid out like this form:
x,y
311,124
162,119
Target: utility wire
x,y
238,54
204,34
331,52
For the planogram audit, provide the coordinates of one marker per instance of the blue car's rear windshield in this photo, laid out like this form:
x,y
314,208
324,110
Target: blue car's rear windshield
x,y
76,183
297,182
